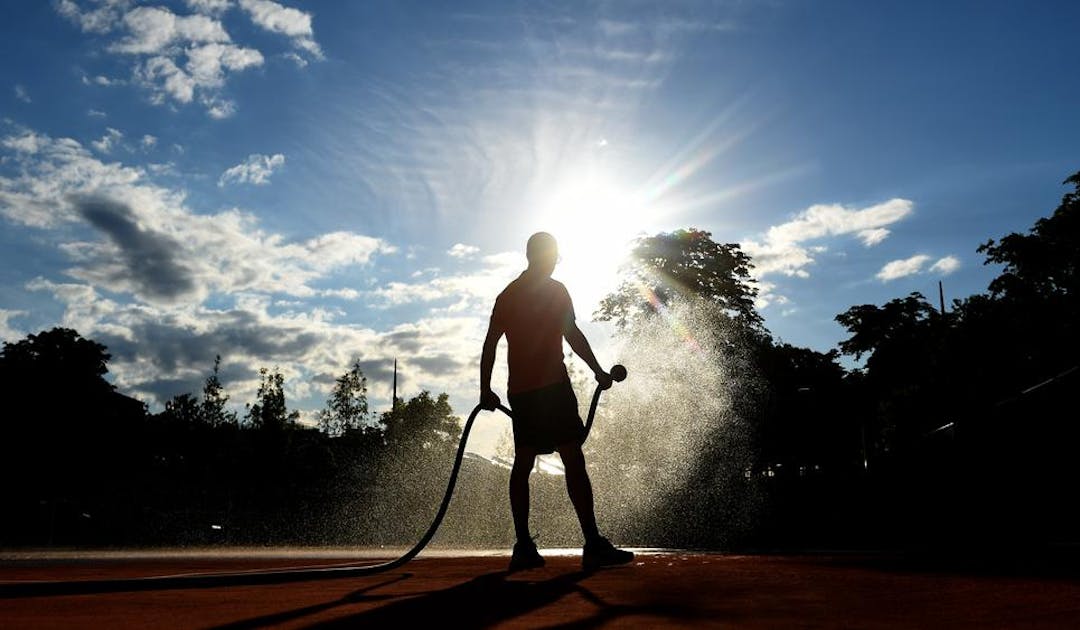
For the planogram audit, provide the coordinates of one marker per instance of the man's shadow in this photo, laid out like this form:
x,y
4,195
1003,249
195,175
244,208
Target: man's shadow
x,y
482,601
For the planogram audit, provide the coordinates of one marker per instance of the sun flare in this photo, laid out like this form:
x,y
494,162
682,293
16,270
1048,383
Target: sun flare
x,y
595,219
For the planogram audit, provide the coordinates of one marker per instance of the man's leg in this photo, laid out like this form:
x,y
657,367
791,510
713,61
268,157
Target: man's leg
x,y
525,555
598,551
524,459
579,488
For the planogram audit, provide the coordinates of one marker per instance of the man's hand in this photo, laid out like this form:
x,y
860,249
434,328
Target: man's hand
x,y
489,400
604,379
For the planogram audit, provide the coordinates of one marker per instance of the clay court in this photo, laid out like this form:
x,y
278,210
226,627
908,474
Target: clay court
x,y
471,589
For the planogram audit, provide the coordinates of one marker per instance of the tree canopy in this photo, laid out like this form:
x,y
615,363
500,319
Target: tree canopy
x,y
269,410
347,407
59,355
684,264
1045,262
423,422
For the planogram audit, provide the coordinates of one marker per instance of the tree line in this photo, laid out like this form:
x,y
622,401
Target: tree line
x,y
954,428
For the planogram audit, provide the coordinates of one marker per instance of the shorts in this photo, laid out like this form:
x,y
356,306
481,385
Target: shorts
x,y
547,417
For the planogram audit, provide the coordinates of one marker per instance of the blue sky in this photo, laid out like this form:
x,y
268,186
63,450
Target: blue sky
x,y
302,184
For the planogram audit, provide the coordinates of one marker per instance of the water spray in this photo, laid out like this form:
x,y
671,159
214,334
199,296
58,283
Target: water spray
x,y
27,588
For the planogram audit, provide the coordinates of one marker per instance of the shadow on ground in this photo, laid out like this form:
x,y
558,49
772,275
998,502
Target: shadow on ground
x,y
482,601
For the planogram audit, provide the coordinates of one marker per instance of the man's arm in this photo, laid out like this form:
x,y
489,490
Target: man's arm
x,y
488,399
580,345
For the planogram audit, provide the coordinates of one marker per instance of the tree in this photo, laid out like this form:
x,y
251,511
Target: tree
x,y
684,264
1045,262
59,356
212,410
269,411
807,420
1037,294
183,409
423,422
888,327
347,407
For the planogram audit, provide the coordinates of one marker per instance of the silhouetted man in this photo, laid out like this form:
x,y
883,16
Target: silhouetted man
x,y
535,313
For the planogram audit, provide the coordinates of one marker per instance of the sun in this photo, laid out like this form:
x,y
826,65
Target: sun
x,y
595,220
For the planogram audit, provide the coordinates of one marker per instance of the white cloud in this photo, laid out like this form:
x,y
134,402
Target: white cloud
x,y
93,113
946,265
182,58
26,142
768,296
344,294
111,138
873,236
461,250
904,267
22,94
207,64
151,30
148,141
205,71
340,249
917,265
781,249
103,19
7,332
256,169
147,243
458,292
219,108
297,59
292,23
210,7
159,352
164,77
101,80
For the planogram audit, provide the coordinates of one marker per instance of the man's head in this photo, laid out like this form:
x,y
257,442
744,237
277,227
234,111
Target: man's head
x,y
542,252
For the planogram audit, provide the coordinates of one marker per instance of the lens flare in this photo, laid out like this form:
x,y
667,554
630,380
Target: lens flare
x,y
681,330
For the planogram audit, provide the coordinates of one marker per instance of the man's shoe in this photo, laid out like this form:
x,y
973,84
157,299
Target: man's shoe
x,y
601,553
525,556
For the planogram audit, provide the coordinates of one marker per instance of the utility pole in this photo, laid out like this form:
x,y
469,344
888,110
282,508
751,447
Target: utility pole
x,y
393,400
941,296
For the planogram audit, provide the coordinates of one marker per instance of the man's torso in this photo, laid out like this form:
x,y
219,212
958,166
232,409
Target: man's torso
x,y
534,313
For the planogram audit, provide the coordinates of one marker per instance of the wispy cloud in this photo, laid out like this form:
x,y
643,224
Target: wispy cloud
x,y
21,94
539,92
256,169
